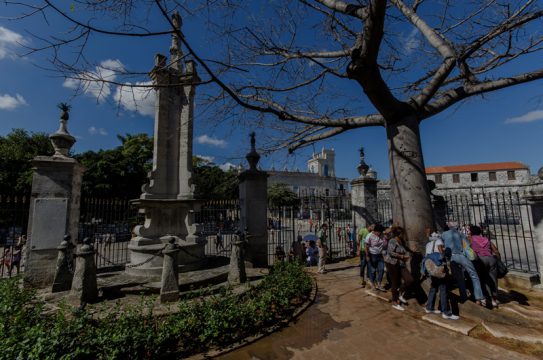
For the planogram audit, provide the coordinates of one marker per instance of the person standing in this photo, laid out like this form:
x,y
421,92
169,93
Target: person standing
x,y
361,251
375,245
323,247
395,260
452,239
487,254
298,250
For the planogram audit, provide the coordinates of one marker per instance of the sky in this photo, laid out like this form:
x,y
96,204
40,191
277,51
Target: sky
x,y
505,125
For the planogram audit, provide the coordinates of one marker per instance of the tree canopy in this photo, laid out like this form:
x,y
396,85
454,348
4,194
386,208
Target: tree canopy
x,y
16,150
280,195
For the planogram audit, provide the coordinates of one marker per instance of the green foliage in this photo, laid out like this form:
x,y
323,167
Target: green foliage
x,y
119,172
135,333
214,183
280,195
16,150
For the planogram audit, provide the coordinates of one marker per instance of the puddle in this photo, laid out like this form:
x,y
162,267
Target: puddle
x,y
311,328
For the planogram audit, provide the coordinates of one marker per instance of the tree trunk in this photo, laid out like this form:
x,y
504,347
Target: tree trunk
x,y
411,202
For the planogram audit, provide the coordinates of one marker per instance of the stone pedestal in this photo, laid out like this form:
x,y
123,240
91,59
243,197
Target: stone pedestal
x,y
84,284
253,200
364,201
536,203
54,212
236,272
165,219
169,287
64,272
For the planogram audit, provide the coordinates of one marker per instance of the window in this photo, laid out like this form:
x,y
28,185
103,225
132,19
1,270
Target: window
x,y
511,175
456,178
439,179
474,177
492,176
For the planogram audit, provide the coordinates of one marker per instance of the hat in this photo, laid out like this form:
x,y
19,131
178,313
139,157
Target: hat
x,y
435,235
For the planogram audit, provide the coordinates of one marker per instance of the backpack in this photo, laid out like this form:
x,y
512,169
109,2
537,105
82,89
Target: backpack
x,y
438,271
468,251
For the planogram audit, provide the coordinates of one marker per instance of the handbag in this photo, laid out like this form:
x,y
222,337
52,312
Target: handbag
x,y
502,268
438,271
468,251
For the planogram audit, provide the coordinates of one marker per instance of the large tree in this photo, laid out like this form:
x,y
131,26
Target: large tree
x,y
295,63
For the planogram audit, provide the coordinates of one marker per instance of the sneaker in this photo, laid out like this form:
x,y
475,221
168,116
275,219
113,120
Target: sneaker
x,y
402,299
380,288
450,317
363,283
432,311
495,303
398,307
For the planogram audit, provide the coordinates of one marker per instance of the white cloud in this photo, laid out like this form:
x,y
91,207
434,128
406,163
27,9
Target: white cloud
x,y
9,40
91,82
8,102
94,130
227,166
206,140
411,42
139,99
531,116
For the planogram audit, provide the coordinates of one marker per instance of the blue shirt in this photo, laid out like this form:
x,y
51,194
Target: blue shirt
x,y
453,239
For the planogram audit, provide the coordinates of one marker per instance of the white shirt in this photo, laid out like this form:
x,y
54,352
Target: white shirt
x,y
432,248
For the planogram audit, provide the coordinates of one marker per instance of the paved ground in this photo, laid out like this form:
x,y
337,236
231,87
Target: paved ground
x,y
346,323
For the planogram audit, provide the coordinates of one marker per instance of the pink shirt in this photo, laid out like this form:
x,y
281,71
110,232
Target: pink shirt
x,y
481,245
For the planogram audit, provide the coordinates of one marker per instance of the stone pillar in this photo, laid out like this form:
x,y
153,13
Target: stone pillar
x,y
64,273
54,207
364,195
84,284
168,200
439,205
536,201
253,198
236,273
169,287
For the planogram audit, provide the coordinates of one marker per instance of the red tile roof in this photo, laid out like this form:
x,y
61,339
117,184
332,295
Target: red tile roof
x,y
512,165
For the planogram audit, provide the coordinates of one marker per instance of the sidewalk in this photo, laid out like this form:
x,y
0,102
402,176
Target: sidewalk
x,y
346,322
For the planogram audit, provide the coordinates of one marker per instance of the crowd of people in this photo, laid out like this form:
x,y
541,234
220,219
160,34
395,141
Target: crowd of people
x,y
449,257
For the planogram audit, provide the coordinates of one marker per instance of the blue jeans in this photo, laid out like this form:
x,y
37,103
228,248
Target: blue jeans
x,y
363,265
468,266
376,264
441,285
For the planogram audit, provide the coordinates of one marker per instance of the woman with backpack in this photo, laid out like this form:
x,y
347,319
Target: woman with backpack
x,y
434,248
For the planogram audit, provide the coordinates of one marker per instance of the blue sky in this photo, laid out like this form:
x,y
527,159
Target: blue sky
x,y
502,126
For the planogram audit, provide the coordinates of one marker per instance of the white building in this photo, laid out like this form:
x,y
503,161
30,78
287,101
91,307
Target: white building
x,y
319,179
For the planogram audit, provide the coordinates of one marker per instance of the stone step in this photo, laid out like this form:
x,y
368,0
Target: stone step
x,y
527,313
525,334
379,295
462,325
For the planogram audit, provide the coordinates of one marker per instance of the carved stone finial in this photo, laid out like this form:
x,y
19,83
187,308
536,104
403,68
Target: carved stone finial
x,y
62,140
540,173
175,49
253,157
362,166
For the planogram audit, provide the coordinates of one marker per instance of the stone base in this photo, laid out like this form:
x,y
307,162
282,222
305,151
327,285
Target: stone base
x,y
190,258
40,268
520,280
169,296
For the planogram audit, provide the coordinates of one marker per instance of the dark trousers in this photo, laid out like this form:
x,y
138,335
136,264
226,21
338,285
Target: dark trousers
x,y
458,275
363,264
397,273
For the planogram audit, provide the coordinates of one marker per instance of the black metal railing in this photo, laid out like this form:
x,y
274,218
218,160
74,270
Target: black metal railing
x,y
108,223
14,210
504,216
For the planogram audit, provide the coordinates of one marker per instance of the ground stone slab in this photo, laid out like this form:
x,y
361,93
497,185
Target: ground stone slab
x,y
524,334
532,314
462,326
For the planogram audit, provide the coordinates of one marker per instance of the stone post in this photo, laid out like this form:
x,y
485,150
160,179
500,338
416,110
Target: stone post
x,y
54,206
169,287
536,201
253,198
64,273
236,273
84,284
364,195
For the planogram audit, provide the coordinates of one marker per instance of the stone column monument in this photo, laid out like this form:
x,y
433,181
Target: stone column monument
x,y
364,194
54,205
536,201
253,199
168,200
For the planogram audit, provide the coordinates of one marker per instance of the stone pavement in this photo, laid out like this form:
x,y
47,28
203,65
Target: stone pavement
x,y
345,322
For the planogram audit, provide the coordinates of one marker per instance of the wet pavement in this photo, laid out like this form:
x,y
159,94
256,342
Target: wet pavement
x,y
346,323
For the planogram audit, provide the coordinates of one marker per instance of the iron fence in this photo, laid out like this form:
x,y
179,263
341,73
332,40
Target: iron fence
x,y
504,216
108,223
218,221
14,210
